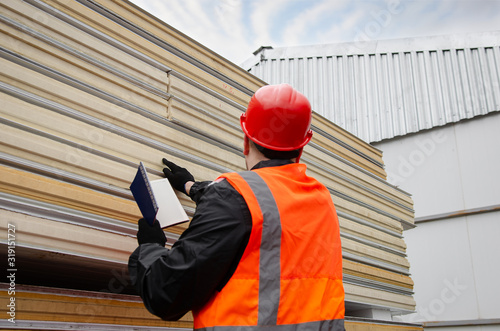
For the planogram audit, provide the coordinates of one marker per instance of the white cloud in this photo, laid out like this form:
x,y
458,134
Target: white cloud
x,y
264,13
301,28
236,28
229,17
233,37
343,30
429,18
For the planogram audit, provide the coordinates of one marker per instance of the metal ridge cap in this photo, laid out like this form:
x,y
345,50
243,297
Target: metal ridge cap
x,y
396,45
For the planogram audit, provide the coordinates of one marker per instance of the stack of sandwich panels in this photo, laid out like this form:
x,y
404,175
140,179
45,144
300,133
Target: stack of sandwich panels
x,y
89,89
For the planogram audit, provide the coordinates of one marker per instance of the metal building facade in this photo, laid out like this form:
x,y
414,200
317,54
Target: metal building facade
x,y
382,89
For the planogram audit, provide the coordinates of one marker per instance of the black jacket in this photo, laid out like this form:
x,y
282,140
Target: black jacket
x,y
173,281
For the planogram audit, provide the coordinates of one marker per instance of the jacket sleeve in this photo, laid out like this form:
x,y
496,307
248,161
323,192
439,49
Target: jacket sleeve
x,y
173,281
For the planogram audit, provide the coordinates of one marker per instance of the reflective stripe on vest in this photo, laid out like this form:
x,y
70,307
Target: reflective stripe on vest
x,y
269,265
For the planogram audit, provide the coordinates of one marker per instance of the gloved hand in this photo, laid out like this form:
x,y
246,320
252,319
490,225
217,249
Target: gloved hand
x,y
177,176
150,233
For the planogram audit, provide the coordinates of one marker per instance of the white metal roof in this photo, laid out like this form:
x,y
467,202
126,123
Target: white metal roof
x,y
382,89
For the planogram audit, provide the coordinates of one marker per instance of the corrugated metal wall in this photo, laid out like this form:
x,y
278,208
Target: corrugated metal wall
x,y
379,90
90,88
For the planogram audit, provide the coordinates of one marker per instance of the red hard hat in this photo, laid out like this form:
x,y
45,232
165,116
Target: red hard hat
x,y
278,118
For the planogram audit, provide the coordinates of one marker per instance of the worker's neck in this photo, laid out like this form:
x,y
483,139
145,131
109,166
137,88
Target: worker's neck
x,y
252,160
254,157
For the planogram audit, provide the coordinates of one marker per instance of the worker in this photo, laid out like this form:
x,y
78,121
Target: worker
x,y
262,251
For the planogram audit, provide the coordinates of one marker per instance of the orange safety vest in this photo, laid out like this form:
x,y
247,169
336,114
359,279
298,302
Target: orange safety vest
x,y
290,274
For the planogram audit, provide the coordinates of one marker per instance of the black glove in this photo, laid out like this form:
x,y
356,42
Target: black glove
x,y
150,233
177,176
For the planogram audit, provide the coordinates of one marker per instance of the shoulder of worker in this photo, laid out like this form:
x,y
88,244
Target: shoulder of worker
x,y
218,187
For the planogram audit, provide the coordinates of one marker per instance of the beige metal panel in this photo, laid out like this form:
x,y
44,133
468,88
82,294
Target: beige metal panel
x,y
353,143
332,138
76,309
376,274
36,147
85,101
42,234
366,324
351,173
203,110
203,99
197,120
155,50
92,136
356,293
67,144
25,184
66,41
395,213
362,194
348,207
376,236
144,106
357,248
183,43
64,67
93,243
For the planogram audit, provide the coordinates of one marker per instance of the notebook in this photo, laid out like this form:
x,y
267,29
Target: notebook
x,y
157,200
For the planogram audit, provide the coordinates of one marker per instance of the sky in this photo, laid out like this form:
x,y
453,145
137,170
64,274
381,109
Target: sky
x,y
236,28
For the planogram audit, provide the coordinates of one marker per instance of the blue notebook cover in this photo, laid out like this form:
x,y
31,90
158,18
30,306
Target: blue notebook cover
x,y
143,194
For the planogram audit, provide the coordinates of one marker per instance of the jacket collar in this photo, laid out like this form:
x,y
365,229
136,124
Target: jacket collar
x,y
271,163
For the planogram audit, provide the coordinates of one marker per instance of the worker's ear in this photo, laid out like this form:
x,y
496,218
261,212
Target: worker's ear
x,y
246,145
